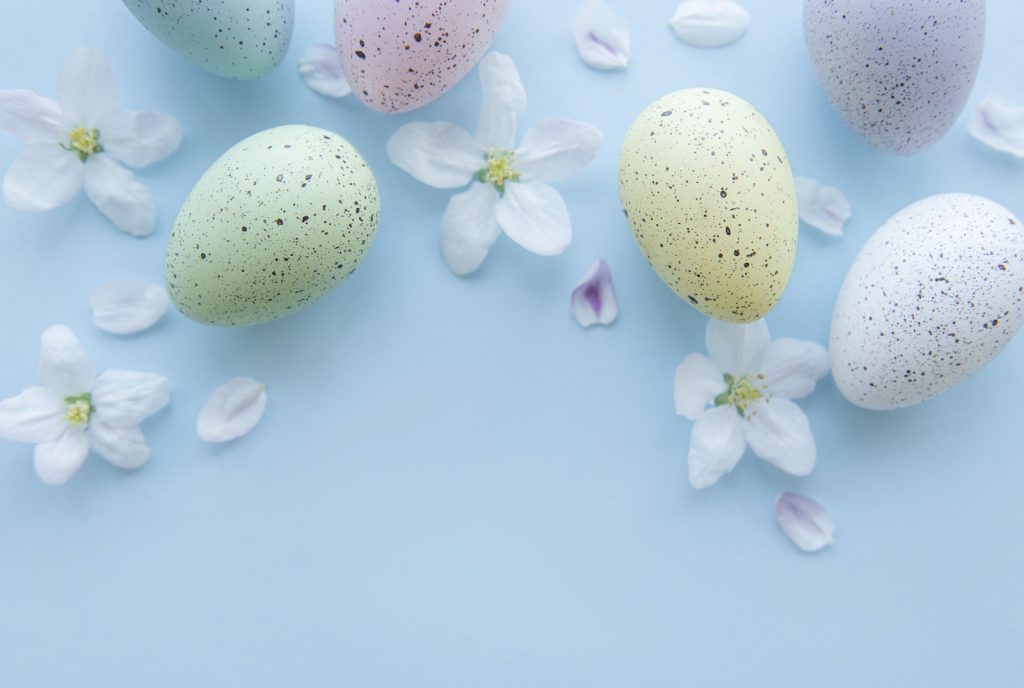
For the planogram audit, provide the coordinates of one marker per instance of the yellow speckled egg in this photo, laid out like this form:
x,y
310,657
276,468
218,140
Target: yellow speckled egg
x,y
708,192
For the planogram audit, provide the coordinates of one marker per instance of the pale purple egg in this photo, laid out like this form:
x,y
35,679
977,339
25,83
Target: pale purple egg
x,y
400,55
897,71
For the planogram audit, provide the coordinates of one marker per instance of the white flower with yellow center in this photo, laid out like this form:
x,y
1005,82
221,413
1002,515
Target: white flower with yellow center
x,y
508,186
79,142
73,410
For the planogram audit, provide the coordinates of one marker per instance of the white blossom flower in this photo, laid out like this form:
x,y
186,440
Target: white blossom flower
x,y
320,66
748,383
79,142
508,190
73,410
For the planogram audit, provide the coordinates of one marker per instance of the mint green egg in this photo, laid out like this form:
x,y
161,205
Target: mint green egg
x,y
277,221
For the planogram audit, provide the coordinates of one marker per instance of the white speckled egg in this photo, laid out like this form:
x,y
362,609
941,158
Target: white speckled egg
x,y
897,71
934,294
275,223
708,192
243,39
399,56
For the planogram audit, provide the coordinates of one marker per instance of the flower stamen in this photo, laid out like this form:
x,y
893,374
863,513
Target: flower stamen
x,y
500,168
84,142
79,409
741,393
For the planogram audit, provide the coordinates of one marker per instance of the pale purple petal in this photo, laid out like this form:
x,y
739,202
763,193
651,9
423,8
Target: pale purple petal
x,y
127,307
232,410
822,207
602,37
804,521
593,301
320,66
999,124
709,23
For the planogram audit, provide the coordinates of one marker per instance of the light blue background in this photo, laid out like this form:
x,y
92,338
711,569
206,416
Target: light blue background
x,y
454,485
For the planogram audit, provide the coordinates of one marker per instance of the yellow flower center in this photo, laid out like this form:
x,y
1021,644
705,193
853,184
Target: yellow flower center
x,y
741,393
79,409
500,168
84,142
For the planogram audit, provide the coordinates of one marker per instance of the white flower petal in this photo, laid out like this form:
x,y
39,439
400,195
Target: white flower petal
x,y
36,415
602,37
535,217
556,149
128,307
86,88
320,66
44,176
469,228
593,301
698,382
822,207
504,99
138,138
792,367
804,521
63,364
999,124
438,154
124,447
778,432
116,194
736,349
716,445
232,410
709,23
123,398
31,117
57,460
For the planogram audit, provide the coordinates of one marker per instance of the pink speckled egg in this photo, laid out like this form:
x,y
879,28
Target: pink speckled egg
x,y
401,54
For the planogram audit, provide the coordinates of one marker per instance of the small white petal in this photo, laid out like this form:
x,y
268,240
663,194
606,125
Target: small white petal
x,y
469,228
123,447
698,382
57,460
116,194
999,124
822,207
602,37
556,149
504,99
736,349
593,302
233,410
438,154
128,307
792,368
778,432
63,364
804,521
535,217
123,398
716,445
138,138
320,66
44,176
36,415
86,88
31,117
709,23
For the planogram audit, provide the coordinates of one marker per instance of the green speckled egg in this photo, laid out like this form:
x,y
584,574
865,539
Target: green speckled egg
x,y
275,223
708,192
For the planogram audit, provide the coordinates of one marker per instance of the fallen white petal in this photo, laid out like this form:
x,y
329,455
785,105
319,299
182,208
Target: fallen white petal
x,y
534,216
778,431
716,445
36,415
469,228
64,366
602,37
593,301
698,382
556,149
804,521
86,87
43,176
139,138
233,410
709,23
123,447
822,207
128,307
124,398
320,66
57,460
116,194
31,117
438,154
504,99
999,124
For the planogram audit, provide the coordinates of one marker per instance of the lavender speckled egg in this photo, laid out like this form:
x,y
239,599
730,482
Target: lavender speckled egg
x,y
932,297
275,223
242,39
708,192
897,71
400,55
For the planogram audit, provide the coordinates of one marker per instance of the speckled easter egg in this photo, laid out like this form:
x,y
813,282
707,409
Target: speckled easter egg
x,y
708,192
399,56
897,71
275,223
243,39
934,294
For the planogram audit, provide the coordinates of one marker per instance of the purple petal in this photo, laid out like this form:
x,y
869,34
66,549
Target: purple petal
x,y
593,301
602,37
804,521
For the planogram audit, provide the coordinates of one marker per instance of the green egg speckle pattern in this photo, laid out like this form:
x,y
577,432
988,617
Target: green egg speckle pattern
x,y
275,223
